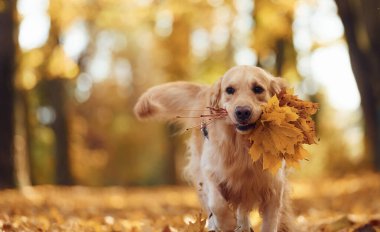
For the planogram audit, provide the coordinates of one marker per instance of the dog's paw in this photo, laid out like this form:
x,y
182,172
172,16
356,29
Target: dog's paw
x,y
211,227
226,224
241,229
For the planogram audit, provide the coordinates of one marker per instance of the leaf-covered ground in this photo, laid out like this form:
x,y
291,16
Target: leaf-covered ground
x,y
351,203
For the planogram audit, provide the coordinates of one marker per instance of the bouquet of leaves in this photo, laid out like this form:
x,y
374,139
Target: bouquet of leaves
x,y
285,125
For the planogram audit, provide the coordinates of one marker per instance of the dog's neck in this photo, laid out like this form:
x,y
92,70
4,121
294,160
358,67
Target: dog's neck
x,y
231,150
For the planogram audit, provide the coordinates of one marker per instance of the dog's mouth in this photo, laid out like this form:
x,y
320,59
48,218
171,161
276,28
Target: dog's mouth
x,y
245,127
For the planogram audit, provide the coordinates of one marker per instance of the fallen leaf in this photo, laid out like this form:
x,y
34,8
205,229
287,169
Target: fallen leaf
x,y
365,228
166,229
284,126
339,224
198,225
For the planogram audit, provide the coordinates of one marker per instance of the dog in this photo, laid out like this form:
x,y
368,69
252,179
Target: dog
x,y
229,183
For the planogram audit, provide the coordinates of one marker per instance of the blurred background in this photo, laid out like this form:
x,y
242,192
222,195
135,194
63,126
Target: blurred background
x,y
71,71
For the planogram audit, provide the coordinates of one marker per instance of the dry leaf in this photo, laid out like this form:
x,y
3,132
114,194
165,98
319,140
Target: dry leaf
x,y
284,126
198,225
365,228
319,203
338,225
166,229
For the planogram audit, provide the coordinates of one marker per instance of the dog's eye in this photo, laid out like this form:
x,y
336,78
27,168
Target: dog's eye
x,y
258,89
230,90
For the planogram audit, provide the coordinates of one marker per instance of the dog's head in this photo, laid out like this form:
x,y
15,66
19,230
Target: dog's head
x,y
241,91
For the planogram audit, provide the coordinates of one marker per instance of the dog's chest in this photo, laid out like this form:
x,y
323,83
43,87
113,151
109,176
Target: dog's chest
x,y
238,177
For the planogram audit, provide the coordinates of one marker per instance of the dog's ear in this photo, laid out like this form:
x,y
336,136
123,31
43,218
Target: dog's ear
x,y
277,84
215,93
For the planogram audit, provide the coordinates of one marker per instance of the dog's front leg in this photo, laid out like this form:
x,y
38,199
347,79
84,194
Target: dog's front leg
x,y
242,215
271,212
222,218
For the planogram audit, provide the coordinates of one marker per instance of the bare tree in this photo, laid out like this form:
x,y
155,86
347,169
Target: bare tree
x,y
7,70
176,69
361,20
55,91
55,94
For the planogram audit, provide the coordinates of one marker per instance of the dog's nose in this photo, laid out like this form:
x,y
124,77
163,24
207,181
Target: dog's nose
x,y
243,113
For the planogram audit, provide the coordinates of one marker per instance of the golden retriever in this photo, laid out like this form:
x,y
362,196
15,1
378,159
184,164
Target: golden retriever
x,y
229,183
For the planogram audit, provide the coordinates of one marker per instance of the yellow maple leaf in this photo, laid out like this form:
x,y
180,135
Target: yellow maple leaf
x,y
307,127
305,108
271,162
299,154
277,115
284,126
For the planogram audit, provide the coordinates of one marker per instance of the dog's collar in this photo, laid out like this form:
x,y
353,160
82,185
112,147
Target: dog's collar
x,y
204,130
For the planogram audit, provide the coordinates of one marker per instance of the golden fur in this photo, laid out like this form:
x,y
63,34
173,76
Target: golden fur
x,y
229,184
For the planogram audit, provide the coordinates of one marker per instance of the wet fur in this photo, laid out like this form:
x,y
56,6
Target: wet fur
x,y
229,184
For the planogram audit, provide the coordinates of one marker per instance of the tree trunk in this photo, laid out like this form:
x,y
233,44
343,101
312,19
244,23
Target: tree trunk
x,y
361,20
22,157
177,45
280,57
57,94
7,68
170,174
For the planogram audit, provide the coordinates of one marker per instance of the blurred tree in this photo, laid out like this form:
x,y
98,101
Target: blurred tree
x,y
273,37
361,20
55,72
177,65
55,90
7,70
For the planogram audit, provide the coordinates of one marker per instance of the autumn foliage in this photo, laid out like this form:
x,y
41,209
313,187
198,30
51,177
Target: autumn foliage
x,y
284,126
320,205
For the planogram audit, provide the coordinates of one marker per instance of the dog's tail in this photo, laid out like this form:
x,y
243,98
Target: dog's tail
x,y
171,100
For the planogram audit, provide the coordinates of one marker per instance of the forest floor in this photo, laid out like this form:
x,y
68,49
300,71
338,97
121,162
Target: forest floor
x,y
351,203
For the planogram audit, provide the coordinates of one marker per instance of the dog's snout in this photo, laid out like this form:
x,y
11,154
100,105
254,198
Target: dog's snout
x,y
243,113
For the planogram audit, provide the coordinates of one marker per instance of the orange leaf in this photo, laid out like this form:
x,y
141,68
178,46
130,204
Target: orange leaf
x,y
284,126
